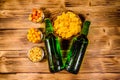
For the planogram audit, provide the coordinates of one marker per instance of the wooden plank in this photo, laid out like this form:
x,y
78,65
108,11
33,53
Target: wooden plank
x,y
16,40
105,3
89,53
59,76
13,19
90,64
103,31
28,4
108,17
72,3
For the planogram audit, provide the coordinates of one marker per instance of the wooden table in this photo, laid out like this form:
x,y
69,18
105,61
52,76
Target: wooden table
x,y
102,59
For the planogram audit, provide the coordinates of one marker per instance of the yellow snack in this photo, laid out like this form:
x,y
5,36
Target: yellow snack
x,y
36,15
34,35
35,54
67,25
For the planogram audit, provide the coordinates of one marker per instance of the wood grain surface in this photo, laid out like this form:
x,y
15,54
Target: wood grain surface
x,y
102,59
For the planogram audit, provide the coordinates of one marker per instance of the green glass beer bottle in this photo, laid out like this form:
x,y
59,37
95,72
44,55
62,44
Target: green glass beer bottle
x,y
77,50
53,49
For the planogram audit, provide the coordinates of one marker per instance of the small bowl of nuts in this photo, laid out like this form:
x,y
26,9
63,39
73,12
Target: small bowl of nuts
x,y
37,15
36,54
34,35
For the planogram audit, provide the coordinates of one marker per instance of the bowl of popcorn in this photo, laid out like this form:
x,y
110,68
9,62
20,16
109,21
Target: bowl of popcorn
x,y
67,24
35,54
34,35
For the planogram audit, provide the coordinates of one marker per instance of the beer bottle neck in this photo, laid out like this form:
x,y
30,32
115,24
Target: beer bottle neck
x,y
85,28
48,26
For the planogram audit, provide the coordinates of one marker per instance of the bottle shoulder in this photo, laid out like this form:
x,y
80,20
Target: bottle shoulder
x,y
82,38
50,35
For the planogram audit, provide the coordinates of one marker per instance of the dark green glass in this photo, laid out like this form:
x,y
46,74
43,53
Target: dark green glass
x,y
77,51
53,49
